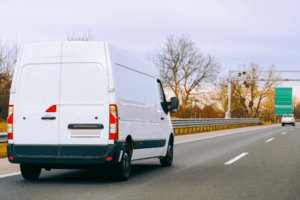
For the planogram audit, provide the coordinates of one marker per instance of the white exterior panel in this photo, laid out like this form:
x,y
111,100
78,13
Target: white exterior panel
x,y
83,100
38,90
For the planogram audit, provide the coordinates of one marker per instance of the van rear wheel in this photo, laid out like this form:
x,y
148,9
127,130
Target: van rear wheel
x,y
30,171
168,159
124,167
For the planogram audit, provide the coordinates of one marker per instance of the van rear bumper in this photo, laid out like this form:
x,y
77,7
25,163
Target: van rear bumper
x,y
70,155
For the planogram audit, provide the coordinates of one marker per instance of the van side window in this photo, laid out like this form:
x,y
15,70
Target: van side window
x,y
163,101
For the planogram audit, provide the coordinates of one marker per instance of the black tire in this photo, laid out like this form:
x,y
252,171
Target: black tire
x,y
283,124
30,171
293,124
124,167
168,159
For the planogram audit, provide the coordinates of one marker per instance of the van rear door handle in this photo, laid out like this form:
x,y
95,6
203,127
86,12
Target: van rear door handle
x,y
162,118
48,118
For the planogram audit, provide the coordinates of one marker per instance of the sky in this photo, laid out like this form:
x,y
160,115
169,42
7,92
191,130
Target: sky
x,y
235,32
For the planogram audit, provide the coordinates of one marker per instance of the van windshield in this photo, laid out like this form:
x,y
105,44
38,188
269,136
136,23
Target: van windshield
x,y
288,115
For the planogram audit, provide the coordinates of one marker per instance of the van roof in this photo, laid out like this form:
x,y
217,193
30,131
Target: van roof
x,y
81,51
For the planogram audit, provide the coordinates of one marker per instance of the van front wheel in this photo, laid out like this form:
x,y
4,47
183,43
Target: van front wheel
x,y
167,161
30,171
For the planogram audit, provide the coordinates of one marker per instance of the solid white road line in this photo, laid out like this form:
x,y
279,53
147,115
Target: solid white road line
x,y
235,159
269,140
283,133
12,174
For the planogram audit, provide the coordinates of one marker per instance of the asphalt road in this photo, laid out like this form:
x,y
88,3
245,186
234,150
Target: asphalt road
x,y
245,165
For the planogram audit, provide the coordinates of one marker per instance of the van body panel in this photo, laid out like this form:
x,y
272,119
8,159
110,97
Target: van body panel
x,y
83,100
137,102
121,57
38,90
137,97
81,51
41,53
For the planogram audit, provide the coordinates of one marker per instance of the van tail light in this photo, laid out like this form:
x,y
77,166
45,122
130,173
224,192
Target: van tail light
x,y
10,122
113,122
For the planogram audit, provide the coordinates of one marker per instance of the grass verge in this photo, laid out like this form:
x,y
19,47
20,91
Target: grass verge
x,y
3,150
3,127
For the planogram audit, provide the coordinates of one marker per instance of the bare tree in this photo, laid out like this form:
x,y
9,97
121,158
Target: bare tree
x,y
76,37
8,59
183,67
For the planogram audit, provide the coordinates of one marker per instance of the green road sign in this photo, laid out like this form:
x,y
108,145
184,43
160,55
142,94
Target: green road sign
x,y
283,101
285,90
283,110
281,98
284,98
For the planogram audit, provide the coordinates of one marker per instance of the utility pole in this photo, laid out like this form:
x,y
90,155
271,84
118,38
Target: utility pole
x,y
228,114
194,102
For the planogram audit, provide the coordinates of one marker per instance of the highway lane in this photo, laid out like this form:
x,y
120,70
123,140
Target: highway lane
x,y
267,170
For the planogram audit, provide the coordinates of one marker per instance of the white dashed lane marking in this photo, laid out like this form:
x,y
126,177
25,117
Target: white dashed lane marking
x,y
269,140
236,158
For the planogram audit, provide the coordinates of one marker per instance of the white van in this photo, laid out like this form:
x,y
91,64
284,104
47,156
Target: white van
x,y
81,104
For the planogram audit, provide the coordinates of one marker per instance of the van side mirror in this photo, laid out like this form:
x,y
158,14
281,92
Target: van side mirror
x,y
174,105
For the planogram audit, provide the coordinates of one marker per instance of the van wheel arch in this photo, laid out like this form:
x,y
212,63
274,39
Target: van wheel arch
x,y
168,159
123,168
171,139
129,145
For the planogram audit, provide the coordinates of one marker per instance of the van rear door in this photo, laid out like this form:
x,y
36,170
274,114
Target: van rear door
x,y
37,91
84,106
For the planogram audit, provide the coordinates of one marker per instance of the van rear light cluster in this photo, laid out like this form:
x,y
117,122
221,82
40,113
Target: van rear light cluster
x,y
113,122
10,122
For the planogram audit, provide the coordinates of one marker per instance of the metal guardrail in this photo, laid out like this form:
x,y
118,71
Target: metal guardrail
x,y
3,137
183,123
187,126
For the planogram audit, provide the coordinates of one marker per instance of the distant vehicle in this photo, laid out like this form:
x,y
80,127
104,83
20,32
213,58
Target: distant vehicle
x,y
288,119
82,104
